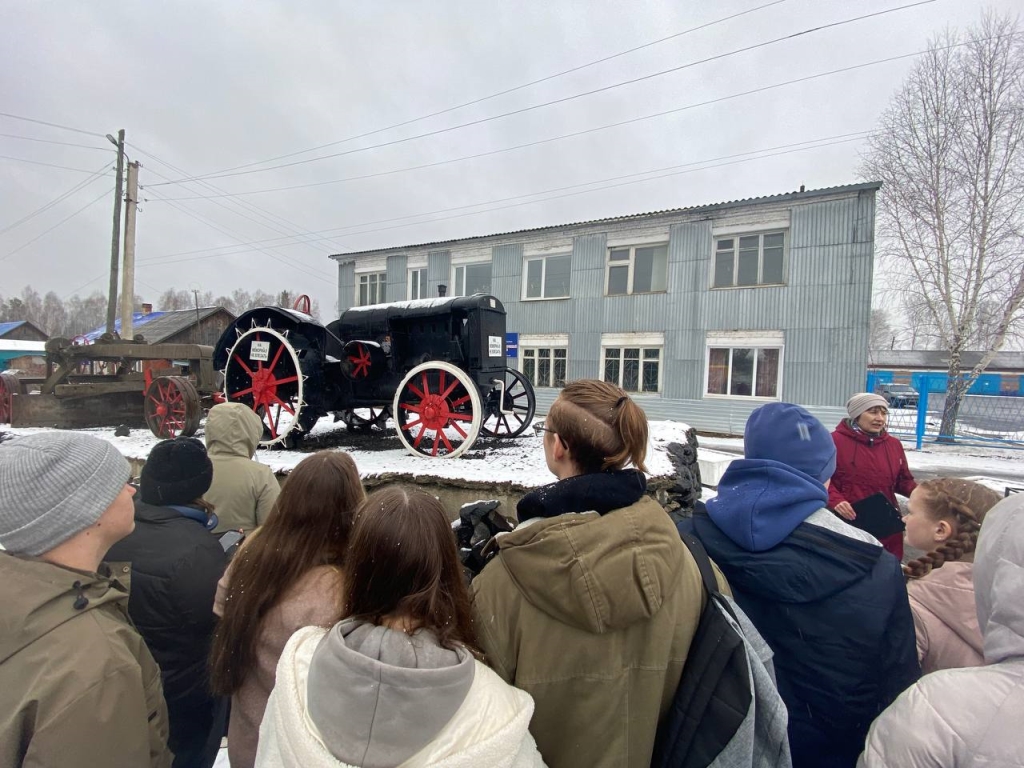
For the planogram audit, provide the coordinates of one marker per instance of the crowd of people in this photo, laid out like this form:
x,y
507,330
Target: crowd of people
x,y
345,630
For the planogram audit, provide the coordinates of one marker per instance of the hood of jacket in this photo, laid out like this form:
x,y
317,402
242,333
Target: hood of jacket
x,y
812,563
599,573
947,593
999,580
378,696
761,501
233,429
846,429
42,596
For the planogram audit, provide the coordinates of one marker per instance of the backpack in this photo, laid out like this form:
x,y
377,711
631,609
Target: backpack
x,y
726,710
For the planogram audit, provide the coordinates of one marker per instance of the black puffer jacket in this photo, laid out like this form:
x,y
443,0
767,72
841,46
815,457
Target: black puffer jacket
x,y
176,564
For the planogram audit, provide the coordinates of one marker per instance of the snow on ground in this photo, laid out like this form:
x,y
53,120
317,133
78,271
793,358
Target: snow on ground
x,y
518,461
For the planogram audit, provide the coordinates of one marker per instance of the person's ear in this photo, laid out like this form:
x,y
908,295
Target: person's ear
x,y
943,531
559,450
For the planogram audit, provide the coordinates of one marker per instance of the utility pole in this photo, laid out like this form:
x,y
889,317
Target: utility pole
x,y
195,333
115,241
128,283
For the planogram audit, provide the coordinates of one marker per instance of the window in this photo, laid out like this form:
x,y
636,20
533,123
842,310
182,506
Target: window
x,y
472,278
372,288
635,369
418,283
636,269
744,371
745,260
545,366
547,277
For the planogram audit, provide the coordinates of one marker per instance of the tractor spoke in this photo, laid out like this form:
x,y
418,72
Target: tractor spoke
x,y
412,408
460,416
241,362
283,404
419,437
410,424
457,428
287,380
412,388
241,392
505,422
445,440
460,401
277,356
449,390
437,443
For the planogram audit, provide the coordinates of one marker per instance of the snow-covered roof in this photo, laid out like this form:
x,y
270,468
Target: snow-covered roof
x,y
15,345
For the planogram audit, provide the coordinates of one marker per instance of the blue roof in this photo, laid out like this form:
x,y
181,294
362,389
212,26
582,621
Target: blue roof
x,y
138,320
8,327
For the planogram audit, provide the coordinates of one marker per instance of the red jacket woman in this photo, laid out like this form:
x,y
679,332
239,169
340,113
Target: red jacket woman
x,y
868,461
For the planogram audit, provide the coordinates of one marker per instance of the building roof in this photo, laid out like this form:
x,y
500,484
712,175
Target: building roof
x,y
938,359
159,326
6,328
778,198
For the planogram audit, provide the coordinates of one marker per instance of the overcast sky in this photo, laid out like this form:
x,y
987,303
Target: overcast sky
x,y
207,86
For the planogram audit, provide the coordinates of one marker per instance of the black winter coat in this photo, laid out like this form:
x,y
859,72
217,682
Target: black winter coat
x,y
176,564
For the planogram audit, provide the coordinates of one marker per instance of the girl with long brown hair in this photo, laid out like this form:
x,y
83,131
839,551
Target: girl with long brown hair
x,y
591,602
397,681
288,575
944,517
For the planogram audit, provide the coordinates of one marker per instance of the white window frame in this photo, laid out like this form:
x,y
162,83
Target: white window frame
x,y
631,247
727,234
422,282
536,342
641,341
465,265
543,258
381,287
757,340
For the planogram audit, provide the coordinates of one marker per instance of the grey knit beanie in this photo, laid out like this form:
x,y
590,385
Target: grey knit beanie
x,y
54,485
864,401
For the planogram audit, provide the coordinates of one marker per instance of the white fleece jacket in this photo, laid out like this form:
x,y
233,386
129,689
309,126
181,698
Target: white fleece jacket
x,y
491,728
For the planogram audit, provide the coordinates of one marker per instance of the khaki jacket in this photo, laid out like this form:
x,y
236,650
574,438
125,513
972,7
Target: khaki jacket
x,y
78,686
592,616
243,490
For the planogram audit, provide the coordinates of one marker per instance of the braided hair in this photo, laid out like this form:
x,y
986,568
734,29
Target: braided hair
x,y
962,503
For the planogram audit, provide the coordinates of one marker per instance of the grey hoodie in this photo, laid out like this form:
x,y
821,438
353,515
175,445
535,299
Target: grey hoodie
x,y
377,696
243,490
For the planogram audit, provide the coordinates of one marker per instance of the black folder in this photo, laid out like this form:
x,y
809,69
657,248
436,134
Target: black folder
x,y
877,516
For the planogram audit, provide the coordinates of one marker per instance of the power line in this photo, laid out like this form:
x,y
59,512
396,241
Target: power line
x,y
52,125
80,185
703,166
562,100
50,141
59,223
507,90
48,165
345,229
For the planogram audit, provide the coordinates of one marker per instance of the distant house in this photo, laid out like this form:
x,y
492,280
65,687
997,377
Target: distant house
x,y
705,313
925,369
22,347
22,330
181,326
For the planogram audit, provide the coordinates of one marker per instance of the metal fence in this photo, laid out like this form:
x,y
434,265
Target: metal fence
x,y
989,420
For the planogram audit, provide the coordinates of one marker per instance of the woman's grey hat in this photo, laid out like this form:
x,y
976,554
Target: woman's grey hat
x,y
54,485
864,401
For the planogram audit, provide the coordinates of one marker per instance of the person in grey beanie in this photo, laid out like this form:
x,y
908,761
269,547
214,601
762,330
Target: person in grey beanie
x,y
78,687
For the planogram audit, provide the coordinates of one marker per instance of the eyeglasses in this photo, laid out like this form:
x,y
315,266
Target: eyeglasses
x,y
539,427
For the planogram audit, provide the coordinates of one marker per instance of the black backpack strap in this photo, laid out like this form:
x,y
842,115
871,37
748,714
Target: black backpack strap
x,y
700,556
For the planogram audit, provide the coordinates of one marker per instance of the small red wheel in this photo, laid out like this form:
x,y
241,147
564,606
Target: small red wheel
x,y
9,386
437,410
172,407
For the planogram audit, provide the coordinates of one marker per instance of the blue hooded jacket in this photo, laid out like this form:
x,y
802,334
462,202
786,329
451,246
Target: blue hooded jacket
x,y
833,608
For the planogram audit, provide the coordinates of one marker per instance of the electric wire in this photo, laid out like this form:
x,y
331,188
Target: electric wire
x,y
59,223
507,90
60,143
53,125
39,162
562,100
42,209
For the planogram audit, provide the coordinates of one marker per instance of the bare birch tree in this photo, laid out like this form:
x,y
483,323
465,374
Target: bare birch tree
x,y
950,154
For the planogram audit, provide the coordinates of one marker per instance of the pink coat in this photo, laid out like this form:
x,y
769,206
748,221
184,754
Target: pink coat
x,y
946,619
314,601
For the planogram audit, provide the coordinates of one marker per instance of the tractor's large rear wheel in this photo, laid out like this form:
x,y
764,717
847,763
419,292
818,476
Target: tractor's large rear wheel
x,y
172,407
437,411
268,371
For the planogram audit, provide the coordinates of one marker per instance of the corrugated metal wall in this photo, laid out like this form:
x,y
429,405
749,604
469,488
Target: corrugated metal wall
x,y
346,285
822,311
398,277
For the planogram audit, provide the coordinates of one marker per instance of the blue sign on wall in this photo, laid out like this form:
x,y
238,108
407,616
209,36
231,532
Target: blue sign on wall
x,y
511,345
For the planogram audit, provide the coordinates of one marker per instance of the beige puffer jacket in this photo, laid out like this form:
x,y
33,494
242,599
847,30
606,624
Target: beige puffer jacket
x,y
970,717
946,619
243,491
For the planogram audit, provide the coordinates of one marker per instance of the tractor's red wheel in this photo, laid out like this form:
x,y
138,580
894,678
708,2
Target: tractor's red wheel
x,y
437,411
172,407
9,386
264,371
509,406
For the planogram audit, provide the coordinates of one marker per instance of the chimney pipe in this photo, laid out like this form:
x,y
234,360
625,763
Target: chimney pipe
x,y
442,290
147,308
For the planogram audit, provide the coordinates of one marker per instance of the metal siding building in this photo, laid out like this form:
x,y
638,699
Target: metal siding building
x,y
815,319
